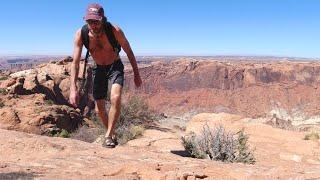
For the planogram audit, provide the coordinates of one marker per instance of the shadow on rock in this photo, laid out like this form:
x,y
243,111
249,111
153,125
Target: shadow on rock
x,y
18,175
181,153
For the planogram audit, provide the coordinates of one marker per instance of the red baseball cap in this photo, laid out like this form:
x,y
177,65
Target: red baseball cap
x,y
94,11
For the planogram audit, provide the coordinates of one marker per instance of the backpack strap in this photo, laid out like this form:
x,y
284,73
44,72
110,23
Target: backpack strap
x,y
85,35
108,29
112,39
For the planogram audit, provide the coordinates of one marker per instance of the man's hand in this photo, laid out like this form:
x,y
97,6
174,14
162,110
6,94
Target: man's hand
x,y
137,80
74,98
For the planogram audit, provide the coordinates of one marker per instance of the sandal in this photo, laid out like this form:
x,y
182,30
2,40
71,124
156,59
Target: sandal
x,y
115,140
109,143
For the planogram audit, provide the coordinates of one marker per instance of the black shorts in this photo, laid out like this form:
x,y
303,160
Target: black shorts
x,y
104,73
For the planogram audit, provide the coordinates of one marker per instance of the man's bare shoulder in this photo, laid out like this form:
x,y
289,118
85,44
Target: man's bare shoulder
x,y
116,29
78,32
77,37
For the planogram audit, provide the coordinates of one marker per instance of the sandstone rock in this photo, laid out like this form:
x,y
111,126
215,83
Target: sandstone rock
x,y
30,100
7,83
18,87
30,82
9,118
23,73
65,60
291,157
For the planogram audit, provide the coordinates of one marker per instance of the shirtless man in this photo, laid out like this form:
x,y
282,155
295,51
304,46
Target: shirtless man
x,y
108,66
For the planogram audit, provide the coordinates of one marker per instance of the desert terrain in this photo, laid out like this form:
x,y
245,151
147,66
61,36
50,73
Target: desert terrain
x,y
274,100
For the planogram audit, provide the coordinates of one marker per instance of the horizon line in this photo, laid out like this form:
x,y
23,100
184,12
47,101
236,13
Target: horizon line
x,y
176,55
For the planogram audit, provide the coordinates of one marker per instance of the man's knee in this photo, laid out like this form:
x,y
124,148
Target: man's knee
x,y
115,100
100,107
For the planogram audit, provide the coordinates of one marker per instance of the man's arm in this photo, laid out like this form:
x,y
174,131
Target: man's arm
x,y
74,94
127,49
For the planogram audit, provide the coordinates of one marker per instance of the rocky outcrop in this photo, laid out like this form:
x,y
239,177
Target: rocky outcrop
x,y
36,100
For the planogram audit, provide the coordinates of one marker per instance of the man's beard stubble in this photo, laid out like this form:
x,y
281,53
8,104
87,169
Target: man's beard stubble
x,y
96,32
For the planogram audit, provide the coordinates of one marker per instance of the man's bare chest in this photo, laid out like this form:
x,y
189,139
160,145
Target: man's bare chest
x,y
98,44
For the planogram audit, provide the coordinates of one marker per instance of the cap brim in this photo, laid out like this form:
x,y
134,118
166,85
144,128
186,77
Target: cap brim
x,y
92,17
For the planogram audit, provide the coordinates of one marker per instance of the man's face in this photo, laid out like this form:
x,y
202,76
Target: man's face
x,y
95,26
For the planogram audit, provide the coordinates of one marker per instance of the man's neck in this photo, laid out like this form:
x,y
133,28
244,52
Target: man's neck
x,y
96,35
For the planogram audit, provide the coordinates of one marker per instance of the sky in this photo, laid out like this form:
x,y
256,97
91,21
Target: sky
x,y
169,27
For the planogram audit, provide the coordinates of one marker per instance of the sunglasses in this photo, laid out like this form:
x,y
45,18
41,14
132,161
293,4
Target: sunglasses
x,y
93,22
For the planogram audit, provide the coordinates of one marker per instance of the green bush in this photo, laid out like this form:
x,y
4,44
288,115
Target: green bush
x,y
3,91
3,78
55,132
217,144
64,134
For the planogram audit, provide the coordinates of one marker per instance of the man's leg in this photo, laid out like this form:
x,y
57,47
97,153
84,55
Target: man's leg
x,y
114,112
101,110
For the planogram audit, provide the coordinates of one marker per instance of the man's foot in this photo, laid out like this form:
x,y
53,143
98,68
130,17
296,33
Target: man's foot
x,y
115,140
109,143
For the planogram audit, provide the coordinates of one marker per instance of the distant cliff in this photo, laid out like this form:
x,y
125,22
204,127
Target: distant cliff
x,y
245,87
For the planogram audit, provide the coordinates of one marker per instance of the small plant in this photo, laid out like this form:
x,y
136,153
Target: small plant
x,y
3,91
49,102
244,154
1,103
192,147
56,132
63,133
128,133
312,136
3,78
217,144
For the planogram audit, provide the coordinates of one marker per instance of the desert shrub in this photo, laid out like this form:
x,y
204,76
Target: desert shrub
x,y
3,91
136,111
59,133
3,78
84,133
217,144
135,116
312,136
49,102
128,133
90,134
1,103
64,133
243,153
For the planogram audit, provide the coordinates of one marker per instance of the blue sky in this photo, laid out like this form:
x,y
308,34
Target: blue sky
x,y
169,27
